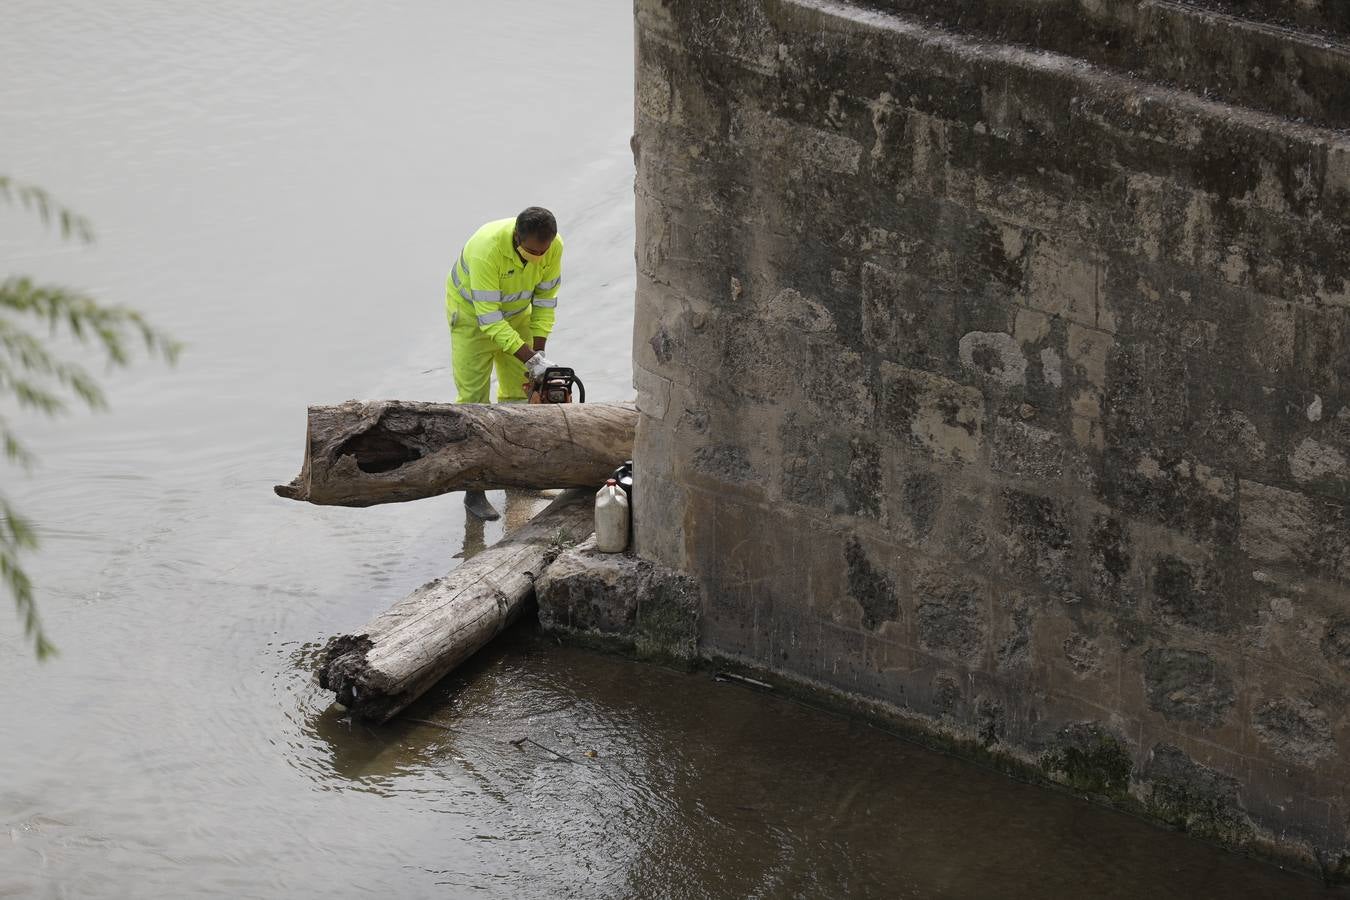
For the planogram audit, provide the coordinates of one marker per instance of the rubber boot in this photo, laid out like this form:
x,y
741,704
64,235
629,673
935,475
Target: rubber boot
x,y
477,505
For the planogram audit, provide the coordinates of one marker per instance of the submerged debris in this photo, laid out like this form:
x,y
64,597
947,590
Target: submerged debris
x,y
732,676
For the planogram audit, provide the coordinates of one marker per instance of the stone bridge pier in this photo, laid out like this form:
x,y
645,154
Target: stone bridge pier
x,y
993,359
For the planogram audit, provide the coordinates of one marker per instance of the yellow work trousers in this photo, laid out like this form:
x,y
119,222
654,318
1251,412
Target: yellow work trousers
x,y
473,355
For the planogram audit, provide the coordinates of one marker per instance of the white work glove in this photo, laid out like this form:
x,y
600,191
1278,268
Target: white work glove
x,y
536,365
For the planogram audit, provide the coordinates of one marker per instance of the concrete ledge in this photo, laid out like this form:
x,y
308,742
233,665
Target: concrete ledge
x,y
634,603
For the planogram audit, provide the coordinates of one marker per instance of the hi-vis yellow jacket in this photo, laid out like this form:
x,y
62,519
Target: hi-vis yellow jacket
x,y
490,284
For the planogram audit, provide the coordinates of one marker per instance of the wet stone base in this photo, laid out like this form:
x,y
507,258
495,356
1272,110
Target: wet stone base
x,y
618,599
623,604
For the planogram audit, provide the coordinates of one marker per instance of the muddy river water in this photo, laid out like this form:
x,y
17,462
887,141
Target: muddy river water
x,y
282,186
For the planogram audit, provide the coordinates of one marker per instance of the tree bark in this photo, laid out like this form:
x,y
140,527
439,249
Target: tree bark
x,y
389,451
379,670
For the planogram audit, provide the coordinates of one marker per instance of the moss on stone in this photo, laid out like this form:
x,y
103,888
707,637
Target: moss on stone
x,y
1194,798
668,616
1089,758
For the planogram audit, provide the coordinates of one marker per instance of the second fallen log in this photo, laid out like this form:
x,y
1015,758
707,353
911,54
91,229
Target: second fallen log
x,y
388,664
388,451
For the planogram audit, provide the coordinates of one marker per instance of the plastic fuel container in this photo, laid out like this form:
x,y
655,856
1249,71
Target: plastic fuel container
x,y
611,518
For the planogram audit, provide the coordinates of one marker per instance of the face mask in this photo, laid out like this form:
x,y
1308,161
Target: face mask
x,y
528,256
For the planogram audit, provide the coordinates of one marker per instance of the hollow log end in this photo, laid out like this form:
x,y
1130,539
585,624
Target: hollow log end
x,y
341,663
360,687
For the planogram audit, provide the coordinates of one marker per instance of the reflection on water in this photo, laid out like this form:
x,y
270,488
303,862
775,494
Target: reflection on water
x,y
475,540
519,507
638,781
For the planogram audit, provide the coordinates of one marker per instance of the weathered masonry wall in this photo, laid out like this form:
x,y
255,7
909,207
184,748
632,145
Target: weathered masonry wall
x,y
1222,49
1012,390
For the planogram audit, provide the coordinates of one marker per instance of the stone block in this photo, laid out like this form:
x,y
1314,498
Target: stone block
x,y
1084,654
1063,280
952,615
831,472
1179,494
1091,757
995,357
935,414
1026,451
653,393
725,463
1188,685
1031,326
1295,729
659,509
584,590
1088,350
617,595
1195,798
991,721
1336,185
1266,339
1052,368
756,364
1038,540
1190,594
1013,633
1110,556
1335,643
694,257
1277,525
967,527
832,377
790,141
1231,438
916,502
1320,466
871,585
908,319
1320,339
655,95
1287,528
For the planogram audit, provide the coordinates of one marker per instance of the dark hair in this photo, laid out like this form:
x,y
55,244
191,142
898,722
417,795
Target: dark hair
x,y
536,222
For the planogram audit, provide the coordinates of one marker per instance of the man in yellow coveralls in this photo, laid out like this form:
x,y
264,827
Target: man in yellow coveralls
x,y
500,299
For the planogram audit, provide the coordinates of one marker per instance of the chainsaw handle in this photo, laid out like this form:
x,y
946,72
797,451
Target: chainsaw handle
x,y
570,375
562,372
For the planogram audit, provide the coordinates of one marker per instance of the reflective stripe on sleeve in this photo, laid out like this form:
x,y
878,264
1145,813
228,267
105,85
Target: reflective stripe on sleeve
x,y
487,296
459,285
549,303
547,285
489,318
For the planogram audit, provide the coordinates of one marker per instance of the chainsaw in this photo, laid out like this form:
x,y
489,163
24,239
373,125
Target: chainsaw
x,y
555,386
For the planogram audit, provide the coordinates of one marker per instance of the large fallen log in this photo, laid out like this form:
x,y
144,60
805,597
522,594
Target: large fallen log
x,y
388,451
380,669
